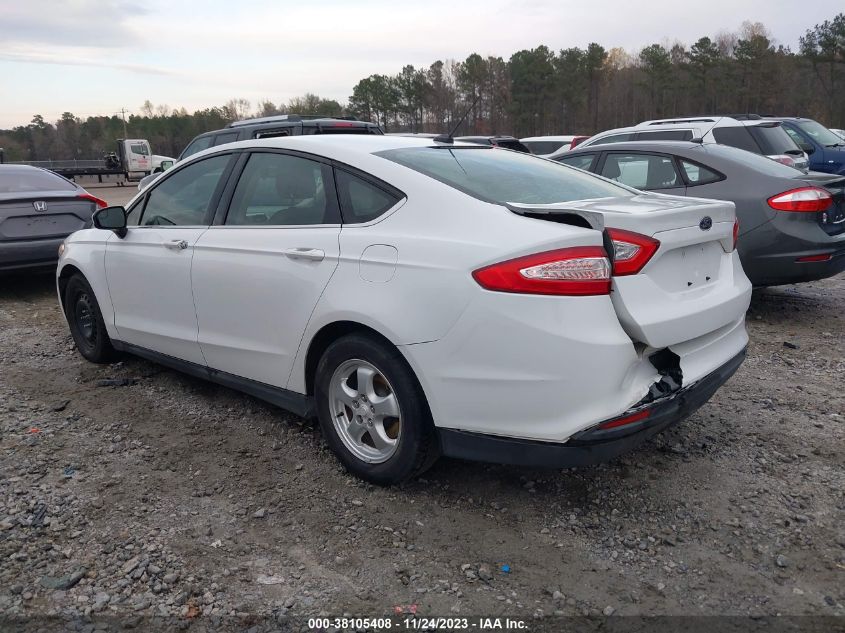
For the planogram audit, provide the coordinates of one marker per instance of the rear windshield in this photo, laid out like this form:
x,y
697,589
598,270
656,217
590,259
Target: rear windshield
x,y
757,162
544,147
498,176
736,136
514,145
24,180
773,139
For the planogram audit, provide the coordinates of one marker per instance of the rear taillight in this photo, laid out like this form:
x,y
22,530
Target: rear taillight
x,y
783,159
631,251
736,233
577,141
578,271
101,204
805,199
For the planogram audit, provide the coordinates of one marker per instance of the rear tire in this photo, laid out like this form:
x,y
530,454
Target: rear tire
x,y
372,411
86,322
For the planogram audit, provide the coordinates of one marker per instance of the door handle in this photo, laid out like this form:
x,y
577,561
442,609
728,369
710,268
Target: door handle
x,y
176,245
311,254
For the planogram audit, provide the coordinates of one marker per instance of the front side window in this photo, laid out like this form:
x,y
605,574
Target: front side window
x,y
283,190
641,171
498,176
360,200
184,197
698,174
139,148
581,161
199,144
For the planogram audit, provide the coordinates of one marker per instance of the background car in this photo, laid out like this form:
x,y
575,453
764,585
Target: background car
x,y
419,296
548,145
39,209
748,132
825,149
838,132
279,125
792,225
507,142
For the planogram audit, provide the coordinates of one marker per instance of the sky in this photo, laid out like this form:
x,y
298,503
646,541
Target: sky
x,y
95,57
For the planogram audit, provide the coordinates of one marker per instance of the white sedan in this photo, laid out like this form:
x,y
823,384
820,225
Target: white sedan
x,y
420,298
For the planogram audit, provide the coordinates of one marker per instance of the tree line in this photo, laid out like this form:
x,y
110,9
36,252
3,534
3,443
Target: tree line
x,y
535,92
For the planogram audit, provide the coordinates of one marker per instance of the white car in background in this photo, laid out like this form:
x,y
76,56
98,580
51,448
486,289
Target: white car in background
x,y
420,298
748,131
839,133
551,145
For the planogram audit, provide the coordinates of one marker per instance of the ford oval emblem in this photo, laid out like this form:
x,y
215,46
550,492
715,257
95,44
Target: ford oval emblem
x,y
706,223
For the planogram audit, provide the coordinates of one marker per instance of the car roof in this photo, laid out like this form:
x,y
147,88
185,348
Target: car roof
x,y
337,146
685,149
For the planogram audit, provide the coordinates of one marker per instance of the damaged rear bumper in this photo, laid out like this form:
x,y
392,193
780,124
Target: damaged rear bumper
x,y
595,444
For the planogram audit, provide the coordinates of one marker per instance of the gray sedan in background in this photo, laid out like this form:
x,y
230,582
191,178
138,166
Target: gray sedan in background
x,y
38,210
791,224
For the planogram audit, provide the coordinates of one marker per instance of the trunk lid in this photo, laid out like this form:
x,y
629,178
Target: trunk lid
x,y
42,216
691,286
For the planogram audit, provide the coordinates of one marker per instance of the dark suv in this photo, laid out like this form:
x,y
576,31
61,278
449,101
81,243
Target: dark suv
x,y
281,125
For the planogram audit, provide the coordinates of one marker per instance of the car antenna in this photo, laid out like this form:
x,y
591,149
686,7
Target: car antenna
x,y
700,139
448,138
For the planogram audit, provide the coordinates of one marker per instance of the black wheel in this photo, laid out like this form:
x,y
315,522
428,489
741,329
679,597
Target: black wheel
x,y
373,412
86,322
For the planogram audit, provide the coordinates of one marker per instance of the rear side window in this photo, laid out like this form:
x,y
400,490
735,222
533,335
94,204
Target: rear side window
x,y
582,161
665,135
698,174
736,136
773,139
283,190
499,177
183,198
615,138
228,137
514,145
23,180
272,133
642,171
362,201
199,144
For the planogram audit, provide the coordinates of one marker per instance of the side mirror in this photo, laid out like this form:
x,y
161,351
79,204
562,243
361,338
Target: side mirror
x,y
166,164
111,219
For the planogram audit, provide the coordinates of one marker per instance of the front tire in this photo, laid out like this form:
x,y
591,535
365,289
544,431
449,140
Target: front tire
x,y
86,322
373,412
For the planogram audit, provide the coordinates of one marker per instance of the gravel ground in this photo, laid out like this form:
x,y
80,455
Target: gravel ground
x,y
131,490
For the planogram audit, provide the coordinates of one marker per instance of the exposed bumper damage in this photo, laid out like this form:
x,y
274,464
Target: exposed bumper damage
x,y
606,440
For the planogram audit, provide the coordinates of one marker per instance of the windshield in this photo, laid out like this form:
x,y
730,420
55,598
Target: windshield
x,y
23,180
819,133
500,176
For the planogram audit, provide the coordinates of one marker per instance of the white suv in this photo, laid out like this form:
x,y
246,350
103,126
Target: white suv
x,y
748,132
